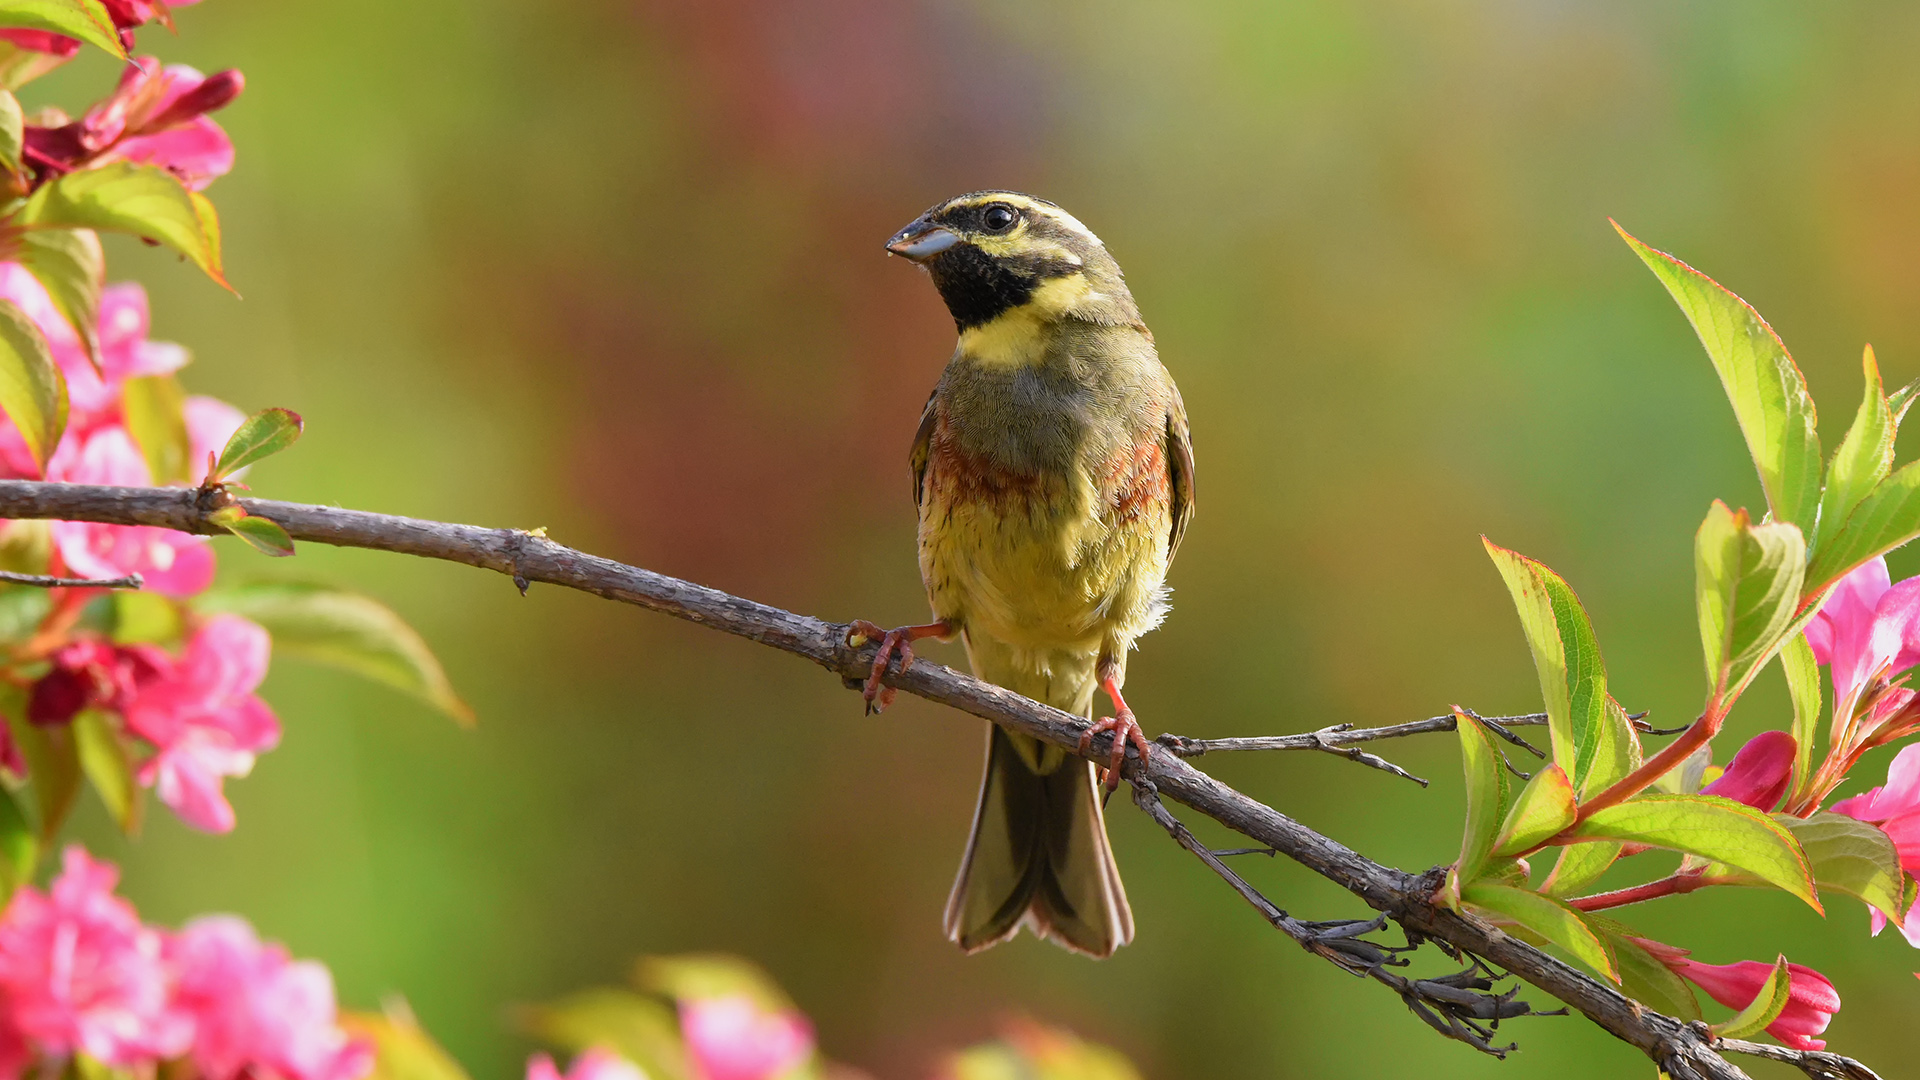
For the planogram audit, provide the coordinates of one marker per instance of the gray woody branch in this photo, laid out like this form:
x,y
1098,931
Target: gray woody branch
x,y
1685,1052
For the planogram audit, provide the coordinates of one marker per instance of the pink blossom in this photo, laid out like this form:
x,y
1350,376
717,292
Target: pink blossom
x,y
1811,999
80,973
202,715
42,41
1867,629
1896,809
1758,773
733,1038
156,116
597,1063
256,1011
173,563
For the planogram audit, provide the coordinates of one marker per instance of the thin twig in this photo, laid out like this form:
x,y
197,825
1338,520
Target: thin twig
x,y
42,581
1817,1064
1406,898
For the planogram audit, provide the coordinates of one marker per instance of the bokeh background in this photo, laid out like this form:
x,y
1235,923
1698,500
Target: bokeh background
x,y
614,268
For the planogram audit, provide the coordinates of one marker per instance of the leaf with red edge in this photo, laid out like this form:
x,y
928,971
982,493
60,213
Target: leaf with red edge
x,y
85,20
262,534
144,200
261,435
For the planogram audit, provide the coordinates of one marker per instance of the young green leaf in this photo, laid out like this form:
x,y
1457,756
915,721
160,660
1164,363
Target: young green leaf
x,y
688,976
1616,754
19,847
1551,919
1848,856
344,629
1566,657
33,393
1579,866
87,20
261,534
1864,457
1486,777
402,1051
1768,393
109,766
1803,686
1766,1007
1642,976
1888,517
643,1029
1713,828
52,762
73,269
154,408
1747,590
143,200
1900,400
13,131
261,435
1543,808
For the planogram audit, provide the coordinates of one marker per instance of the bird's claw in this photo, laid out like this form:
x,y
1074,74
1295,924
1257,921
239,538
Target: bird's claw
x,y
1125,730
896,641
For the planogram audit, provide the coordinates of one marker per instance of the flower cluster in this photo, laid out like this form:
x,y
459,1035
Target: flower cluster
x,y
81,975
127,15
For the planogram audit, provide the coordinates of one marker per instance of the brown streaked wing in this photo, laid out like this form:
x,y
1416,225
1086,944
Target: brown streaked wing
x,y
1180,466
922,438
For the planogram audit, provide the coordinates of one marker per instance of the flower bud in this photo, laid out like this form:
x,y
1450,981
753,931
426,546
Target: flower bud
x,y
1758,774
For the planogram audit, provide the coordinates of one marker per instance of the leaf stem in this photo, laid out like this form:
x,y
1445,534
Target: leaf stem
x,y
1675,885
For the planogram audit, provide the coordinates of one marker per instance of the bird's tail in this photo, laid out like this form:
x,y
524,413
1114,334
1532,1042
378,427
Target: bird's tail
x,y
1038,855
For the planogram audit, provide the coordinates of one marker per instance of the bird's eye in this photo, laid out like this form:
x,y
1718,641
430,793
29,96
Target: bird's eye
x,y
999,218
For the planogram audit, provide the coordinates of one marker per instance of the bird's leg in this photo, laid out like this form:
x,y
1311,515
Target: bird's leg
x,y
1124,727
899,640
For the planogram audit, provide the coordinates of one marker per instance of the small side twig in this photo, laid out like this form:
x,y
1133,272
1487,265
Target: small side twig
x,y
1817,1064
43,581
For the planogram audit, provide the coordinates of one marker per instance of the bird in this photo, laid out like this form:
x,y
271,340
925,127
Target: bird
x,y
1053,475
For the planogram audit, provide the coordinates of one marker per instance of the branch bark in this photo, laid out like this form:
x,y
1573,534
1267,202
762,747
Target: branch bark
x,y
1684,1052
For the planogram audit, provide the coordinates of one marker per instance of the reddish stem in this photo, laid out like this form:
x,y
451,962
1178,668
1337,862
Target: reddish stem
x,y
1677,885
1677,751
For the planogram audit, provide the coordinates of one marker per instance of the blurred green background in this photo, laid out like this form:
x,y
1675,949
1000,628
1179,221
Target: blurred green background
x,y
614,268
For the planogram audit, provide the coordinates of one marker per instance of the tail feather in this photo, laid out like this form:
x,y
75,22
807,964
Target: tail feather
x,y
1038,856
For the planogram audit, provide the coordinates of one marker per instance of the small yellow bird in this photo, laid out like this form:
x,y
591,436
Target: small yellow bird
x,y
1054,477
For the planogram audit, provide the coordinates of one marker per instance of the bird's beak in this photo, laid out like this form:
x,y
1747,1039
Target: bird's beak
x,y
921,241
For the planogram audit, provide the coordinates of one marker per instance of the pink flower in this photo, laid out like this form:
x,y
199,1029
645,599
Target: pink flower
x,y
1811,999
596,1063
156,116
1867,629
1758,773
732,1038
94,397
173,563
79,973
202,715
1895,808
257,1012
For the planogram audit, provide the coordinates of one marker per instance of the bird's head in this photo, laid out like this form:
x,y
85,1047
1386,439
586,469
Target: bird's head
x,y
995,253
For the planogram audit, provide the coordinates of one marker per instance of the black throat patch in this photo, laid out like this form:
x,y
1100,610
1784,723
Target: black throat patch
x,y
977,287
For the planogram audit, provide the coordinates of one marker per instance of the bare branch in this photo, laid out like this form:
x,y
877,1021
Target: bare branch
x,y
1406,898
42,581
1817,1064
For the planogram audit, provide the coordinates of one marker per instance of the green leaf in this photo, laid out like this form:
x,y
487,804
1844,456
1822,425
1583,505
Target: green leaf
x,y
1642,976
1566,657
261,435
1769,396
86,20
1031,1052
13,131
261,534
52,761
1864,458
19,847
1579,867
1616,754
644,1030
1888,517
1899,401
154,407
1803,686
1486,777
108,764
1713,828
1747,589
1766,1007
143,200
402,1051
73,268
706,975
1544,807
344,629
145,618
1848,856
1688,777
1551,919
33,393
20,66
